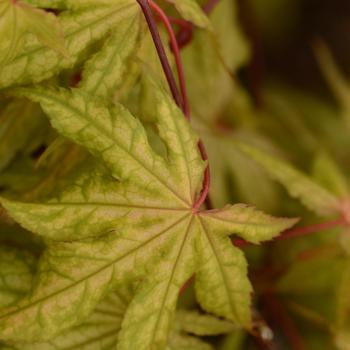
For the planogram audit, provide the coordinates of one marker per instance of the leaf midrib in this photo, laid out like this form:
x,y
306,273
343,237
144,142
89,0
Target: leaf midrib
x,y
96,204
223,274
109,135
109,334
68,35
236,222
111,263
187,164
170,282
111,61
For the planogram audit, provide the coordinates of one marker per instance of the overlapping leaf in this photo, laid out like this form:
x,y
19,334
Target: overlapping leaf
x,y
82,27
335,79
204,69
99,331
235,170
299,185
192,12
16,272
136,220
22,128
18,19
104,73
195,323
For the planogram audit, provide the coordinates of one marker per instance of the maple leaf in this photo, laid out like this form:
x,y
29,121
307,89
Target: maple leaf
x,y
205,72
335,79
135,221
327,173
234,169
17,269
191,12
313,195
20,120
84,24
100,330
196,323
18,19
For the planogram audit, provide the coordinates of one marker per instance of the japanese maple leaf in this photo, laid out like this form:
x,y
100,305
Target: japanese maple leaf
x,y
59,42
135,221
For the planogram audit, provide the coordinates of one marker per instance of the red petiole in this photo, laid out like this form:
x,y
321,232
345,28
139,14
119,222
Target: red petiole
x,y
161,51
180,100
177,56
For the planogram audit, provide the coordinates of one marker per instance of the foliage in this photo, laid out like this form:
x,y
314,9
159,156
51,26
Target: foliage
x,y
117,230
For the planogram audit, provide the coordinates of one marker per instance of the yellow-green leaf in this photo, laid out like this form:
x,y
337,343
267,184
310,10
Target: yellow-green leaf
x,y
19,19
299,185
134,221
81,29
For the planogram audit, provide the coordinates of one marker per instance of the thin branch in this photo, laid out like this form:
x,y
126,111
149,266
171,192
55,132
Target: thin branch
x,y
161,51
181,102
177,56
299,231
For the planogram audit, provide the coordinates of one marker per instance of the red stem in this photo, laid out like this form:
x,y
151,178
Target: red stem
x,y
176,52
299,231
181,102
161,51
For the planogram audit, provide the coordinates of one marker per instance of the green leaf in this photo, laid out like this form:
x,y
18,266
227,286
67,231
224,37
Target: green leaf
x,y
135,221
6,347
56,168
104,73
81,29
185,342
204,70
327,173
16,272
337,82
300,186
21,123
233,341
68,4
235,172
319,283
202,324
226,20
99,331
20,176
18,19
192,12
50,4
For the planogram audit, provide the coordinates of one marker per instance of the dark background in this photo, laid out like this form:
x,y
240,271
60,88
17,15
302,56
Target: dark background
x,y
283,32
